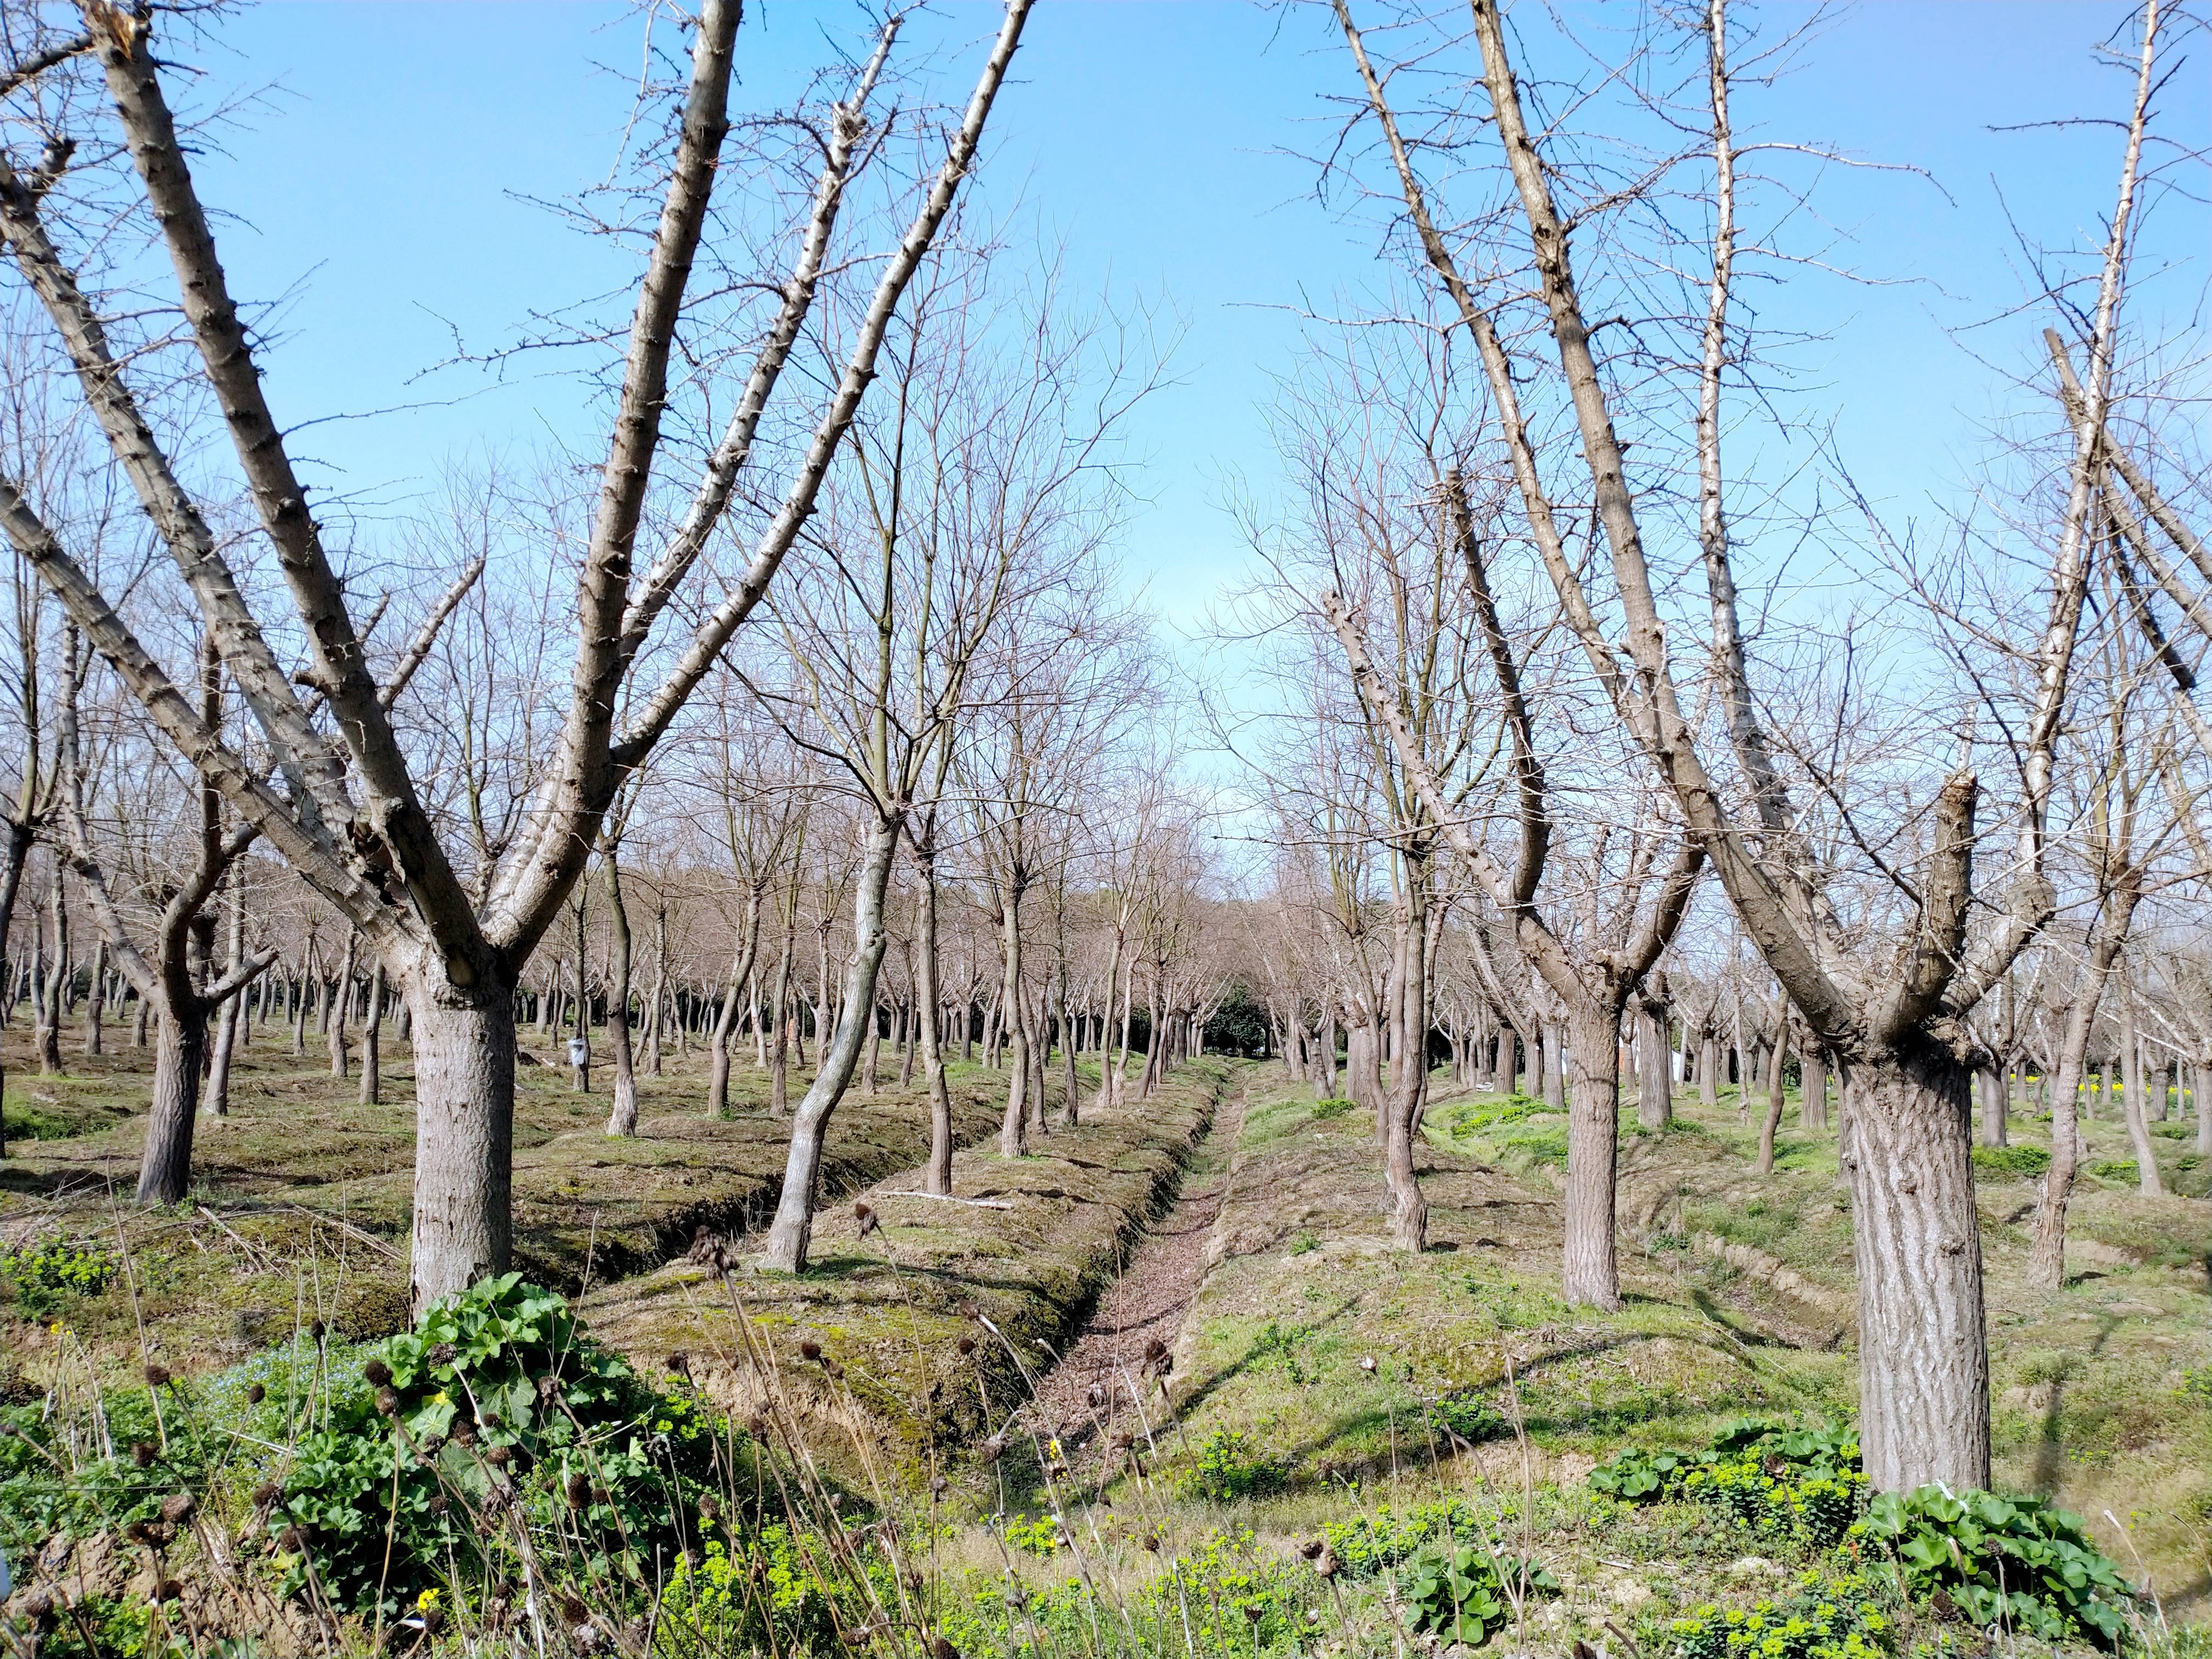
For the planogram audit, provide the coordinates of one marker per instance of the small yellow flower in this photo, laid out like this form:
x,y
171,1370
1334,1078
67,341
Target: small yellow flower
x,y
427,1601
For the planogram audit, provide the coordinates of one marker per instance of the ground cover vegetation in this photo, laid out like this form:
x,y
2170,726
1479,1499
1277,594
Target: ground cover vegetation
x,y
1555,1096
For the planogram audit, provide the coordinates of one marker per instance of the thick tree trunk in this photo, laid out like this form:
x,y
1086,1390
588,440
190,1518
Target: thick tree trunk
x,y
1923,1346
1813,1097
464,1130
1555,1068
1709,1069
1589,1269
165,1168
792,1231
1654,1087
1992,1085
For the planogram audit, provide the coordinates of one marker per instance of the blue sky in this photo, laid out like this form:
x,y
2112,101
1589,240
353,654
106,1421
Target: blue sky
x,y
377,186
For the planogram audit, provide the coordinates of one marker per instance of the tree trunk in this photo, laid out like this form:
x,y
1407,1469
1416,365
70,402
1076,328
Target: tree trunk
x,y
1709,1069
1654,1088
1993,1124
792,1230
725,1021
165,1168
2046,1261
336,1007
2133,1106
50,992
1775,1098
371,1040
95,1005
1812,1096
939,1177
1555,1069
1409,1210
779,1051
464,1129
1015,1120
621,1120
1923,1346
1589,1270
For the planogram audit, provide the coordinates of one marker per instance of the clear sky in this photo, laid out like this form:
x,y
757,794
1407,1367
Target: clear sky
x,y
379,186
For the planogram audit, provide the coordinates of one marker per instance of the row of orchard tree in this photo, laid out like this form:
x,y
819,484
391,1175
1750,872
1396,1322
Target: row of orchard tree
x,y
1568,774
800,708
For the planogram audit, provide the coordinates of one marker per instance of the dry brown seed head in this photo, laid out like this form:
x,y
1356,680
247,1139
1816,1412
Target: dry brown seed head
x,y
157,1374
178,1507
377,1372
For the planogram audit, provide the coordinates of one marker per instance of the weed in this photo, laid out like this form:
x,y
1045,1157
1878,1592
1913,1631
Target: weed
x,y
47,1274
2011,1160
1824,1617
1232,1465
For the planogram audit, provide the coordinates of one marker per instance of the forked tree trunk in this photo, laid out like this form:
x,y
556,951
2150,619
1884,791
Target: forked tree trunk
x,y
792,1231
1923,1340
464,1129
165,1168
1590,1269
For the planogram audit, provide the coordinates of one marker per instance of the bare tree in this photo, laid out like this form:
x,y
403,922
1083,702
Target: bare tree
x,y
350,817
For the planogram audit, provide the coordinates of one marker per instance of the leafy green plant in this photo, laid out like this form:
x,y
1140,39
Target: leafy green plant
x,y
1232,1465
1468,1417
1381,1538
1334,1106
2011,1160
1037,1535
1823,1617
495,1433
1462,1592
1803,1483
2003,1562
2115,1169
46,1274
1306,1243
760,1594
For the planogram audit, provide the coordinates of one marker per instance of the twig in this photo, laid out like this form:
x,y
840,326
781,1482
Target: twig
x,y
947,1198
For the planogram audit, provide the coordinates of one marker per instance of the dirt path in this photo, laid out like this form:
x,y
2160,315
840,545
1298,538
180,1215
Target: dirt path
x,y
1140,1312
